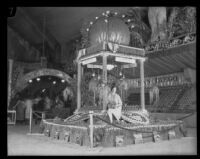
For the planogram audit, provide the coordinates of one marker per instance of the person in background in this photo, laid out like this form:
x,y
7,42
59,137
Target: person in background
x,y
29,104
47,103
114,104
20,109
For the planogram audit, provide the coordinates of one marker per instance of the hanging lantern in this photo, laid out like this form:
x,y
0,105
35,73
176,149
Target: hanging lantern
x,y
117,31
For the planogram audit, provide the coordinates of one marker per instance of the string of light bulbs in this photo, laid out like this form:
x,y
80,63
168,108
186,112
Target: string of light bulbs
x,y
108,14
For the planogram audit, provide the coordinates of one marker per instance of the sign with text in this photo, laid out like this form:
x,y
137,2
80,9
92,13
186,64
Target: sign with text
x,y
138,138
171,134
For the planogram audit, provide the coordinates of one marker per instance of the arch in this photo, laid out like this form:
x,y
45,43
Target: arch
x,y
23,81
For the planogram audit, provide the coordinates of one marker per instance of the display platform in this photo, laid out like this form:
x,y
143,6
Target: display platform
x,y
76,129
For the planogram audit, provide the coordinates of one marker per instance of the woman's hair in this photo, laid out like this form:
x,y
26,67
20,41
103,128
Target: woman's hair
x,y
113,86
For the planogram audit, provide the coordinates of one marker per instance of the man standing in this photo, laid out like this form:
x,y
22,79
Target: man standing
x,y
29,105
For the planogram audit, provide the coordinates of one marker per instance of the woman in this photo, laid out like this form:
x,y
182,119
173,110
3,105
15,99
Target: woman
x,y
114,104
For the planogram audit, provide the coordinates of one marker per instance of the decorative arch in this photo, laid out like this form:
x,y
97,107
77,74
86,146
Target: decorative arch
x,y
23,81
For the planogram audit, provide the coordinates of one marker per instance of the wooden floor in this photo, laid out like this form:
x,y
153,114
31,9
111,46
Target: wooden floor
x,y
20,143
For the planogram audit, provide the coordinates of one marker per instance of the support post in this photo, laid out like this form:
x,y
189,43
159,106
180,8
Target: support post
x,y
30,120
142,85
94,98
104,80
79,87
9,81
91,129
43,115
105,69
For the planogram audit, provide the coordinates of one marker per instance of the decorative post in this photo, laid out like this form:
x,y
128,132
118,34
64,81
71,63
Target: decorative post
x,y
30,120
9,81
142,84
43,62
79,87
104,79
104,69
94,98
43,115
91,129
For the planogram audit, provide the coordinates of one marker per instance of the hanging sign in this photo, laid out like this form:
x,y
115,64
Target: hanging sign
x,y
156,136
125,60
109,66
94,66
130,65
171,134
89,61
119,140
138,138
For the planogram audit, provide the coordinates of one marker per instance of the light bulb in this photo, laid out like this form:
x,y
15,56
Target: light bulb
x,y
38,79
93,74
87,29
97,17
91,23
123,16
103,13
62,81
120,73
116,13
98,77
106,20
128,20
54,82
107,11
30,81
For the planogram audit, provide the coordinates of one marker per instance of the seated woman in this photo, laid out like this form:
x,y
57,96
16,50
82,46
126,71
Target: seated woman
x,y
114,104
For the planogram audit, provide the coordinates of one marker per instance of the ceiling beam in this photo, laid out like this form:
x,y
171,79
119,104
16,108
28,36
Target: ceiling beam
x,y
35,25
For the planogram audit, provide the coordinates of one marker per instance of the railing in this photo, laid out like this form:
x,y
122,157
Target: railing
x,y
11,120
171,43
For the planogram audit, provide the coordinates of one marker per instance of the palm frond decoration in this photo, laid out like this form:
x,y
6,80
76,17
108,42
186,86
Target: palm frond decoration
x,y
137,26
182,20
